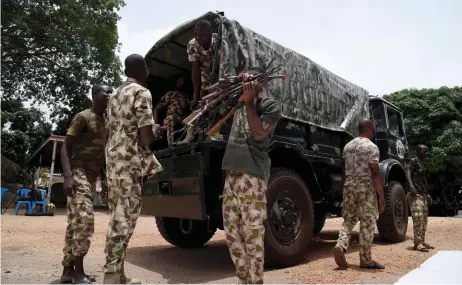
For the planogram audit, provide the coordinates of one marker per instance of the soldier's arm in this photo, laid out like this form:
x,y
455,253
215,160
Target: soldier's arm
x,y
409,167
76,128
375,171
194,59
144,117
161,105
261,126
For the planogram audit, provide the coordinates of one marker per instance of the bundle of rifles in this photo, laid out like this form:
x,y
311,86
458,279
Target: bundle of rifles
x,y
225,97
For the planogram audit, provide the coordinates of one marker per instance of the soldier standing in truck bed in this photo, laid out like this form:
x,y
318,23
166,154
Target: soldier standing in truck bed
x,y
177,105
128,159
247,166
418,197
361,174
201,50
82,158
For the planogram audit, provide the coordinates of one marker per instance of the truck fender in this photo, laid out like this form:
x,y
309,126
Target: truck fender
x,y
389,165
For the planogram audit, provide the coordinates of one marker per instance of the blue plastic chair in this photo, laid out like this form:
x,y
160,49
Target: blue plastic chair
x,y
4,190
24,194
42,202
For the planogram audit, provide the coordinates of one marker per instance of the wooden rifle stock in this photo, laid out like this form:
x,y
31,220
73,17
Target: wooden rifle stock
x,y
216,128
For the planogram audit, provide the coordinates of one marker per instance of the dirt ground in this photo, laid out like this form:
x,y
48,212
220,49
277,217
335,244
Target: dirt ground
x,y
31,252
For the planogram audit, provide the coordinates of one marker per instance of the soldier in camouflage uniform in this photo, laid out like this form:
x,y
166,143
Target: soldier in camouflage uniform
x,y
128,159
361,174
177,105
201,51
247,166
418,197
82,157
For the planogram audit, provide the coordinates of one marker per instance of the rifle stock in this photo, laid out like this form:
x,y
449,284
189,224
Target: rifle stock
x,y
216,128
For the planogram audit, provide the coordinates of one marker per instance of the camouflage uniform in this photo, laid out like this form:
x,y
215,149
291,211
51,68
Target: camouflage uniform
x,y
86,162
248,165
419,203
196,53
359,196
177,104
244,215
128,161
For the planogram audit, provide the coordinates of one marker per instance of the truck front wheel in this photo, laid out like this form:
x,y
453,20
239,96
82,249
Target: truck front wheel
x,y
392,223
184,233
289,226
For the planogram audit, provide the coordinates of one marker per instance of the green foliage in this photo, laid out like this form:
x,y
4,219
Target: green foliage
x,y
53,50
434,117
26,132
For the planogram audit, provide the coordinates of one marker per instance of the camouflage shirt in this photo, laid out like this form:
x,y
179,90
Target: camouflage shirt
x,y
196,53
177,103
129,108
88,152
243,154
418,175
358,154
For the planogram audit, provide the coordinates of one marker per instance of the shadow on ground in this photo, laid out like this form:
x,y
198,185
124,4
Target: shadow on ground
x,y
212,262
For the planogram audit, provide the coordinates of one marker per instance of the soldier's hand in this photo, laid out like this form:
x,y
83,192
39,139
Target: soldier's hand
x,y
251,90
69,186
412,191
381,206
193,104
158,131
244,76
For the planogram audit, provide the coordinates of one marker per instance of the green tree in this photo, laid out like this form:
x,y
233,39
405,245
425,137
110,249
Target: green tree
x,y
23,130
434,117
52,51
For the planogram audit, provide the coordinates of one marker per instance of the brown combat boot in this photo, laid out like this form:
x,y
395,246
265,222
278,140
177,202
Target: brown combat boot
x,y
112,278
126,280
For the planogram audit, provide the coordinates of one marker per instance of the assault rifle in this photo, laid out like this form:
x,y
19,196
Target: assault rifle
x,y
225,97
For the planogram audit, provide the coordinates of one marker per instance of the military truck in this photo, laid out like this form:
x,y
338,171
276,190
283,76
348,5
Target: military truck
x,y
320,115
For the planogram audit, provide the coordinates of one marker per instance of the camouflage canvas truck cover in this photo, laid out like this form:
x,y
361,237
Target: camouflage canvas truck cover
x,y
311,95
320,115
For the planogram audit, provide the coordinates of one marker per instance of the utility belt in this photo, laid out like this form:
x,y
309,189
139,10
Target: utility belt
x,y
359,179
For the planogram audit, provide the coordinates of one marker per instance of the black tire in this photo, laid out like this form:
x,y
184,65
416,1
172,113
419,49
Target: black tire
x,y
287,184
170,230
392,223
319,222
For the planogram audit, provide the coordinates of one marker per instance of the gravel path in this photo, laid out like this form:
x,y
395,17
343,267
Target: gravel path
x,y
31,252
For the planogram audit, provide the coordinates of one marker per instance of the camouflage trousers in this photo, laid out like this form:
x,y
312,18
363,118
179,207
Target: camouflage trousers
x,y
359,204
124,199
244,215
419,212
80,218
192,135
170,123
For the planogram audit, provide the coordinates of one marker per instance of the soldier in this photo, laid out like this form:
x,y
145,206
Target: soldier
x,y
201,51
177,104
360,175
417,196
82,157
247,166
128,159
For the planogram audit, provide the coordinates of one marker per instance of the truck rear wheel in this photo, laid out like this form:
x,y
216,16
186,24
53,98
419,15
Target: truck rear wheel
x,y
184,236
289,227
392,223
319,222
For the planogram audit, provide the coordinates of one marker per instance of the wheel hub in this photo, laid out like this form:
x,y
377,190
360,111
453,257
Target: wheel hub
x,y
285,219
399,214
